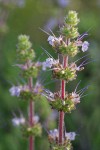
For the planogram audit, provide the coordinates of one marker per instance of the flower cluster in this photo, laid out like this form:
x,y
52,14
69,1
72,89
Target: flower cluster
x,y
24,50
27,130
59,72
25,93
18,121
53,137
70,31
67,105
35,130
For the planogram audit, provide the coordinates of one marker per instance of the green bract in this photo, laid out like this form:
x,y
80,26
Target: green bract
x,y
70,32
72,18
35,130
23,43
66,146
66,74
70,49
24,50
31,72
25,55
63,105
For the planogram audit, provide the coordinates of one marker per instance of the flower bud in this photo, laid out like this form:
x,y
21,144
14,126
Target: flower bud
x,y
70,49
24,50
67,74
35,130
72,18
31,72
24,43
69,32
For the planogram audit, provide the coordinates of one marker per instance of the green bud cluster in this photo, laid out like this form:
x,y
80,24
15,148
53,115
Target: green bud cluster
x,y
69,30
24,50
67,74
72,19
66,106
27,95
71,49
66,146
31,72
35,130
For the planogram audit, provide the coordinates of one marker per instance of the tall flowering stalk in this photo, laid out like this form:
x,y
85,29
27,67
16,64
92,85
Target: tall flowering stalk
x,y
68,44
29,92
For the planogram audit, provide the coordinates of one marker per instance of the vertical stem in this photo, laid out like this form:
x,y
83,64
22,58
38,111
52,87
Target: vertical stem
x,y
31,115
61,113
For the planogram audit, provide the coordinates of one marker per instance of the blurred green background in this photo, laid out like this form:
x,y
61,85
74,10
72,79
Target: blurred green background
x,y
26,17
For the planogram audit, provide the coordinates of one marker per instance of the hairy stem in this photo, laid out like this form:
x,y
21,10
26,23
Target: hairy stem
x,y
61,113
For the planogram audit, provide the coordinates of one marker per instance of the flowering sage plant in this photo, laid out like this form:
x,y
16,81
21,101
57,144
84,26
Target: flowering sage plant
x,y
67,45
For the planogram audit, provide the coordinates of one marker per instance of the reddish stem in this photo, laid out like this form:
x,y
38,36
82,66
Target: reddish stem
x,y
31,115
61,113
31,139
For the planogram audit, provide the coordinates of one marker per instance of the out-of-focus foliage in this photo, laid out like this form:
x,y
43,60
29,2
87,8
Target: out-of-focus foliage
x,y
25,17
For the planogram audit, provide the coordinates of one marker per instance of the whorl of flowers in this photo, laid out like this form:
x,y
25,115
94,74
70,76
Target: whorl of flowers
x,y
53,138
69,31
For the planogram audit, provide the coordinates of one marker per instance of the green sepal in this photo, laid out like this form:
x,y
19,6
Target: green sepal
x,y
70,32
66,74
70,49
31,72
66,146
35,130
24,55
66,105
28,95
71,18
23,43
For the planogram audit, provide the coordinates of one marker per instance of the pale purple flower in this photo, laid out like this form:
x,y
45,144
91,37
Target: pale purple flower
x,y
37,88
70,136
53,39
22,66
36,119
76,97
48,63
15,90
18,121
54,133
85,46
